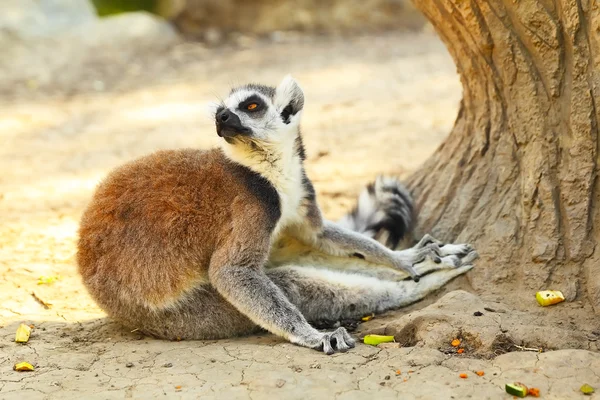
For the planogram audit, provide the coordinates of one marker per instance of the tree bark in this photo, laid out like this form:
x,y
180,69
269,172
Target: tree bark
x,y
518,174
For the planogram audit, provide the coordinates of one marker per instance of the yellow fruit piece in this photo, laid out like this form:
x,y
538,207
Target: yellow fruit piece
x,y
549,297
455,343
22,335
47,279
587,389
374,340
23,366
368,317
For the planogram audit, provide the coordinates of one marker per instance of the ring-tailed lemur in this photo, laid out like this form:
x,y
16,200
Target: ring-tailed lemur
x,y
192,244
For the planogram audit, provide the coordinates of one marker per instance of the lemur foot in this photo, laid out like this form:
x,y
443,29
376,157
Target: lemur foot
x,y
447,255
455,261
330,342
407,259
444,249
459,250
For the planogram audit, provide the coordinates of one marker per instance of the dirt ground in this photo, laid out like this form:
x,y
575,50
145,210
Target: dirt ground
x,y
374,104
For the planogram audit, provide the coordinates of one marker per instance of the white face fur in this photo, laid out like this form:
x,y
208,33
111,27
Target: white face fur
x,y
272,114
271,148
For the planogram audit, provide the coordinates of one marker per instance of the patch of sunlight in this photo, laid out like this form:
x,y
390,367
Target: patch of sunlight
x,y
8,125
166,112
67,229
54,188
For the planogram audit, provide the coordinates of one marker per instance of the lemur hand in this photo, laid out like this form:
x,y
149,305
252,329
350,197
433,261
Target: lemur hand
x,y
328,342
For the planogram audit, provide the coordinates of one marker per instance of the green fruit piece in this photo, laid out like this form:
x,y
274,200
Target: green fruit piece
x,y
587,389
516,389
374,340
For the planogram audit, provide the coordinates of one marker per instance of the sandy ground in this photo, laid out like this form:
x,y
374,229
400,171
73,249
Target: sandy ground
x,y
374,104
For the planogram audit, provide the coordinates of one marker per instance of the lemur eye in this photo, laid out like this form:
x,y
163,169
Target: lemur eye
x,y
251,106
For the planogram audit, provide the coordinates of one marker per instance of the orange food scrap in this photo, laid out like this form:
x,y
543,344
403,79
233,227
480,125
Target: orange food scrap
x,y
455,343
178,387
405,379
460,351
463,376
410,371
398,372
480,373
535,392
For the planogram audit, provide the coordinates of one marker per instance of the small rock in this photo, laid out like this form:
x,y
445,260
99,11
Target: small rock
x,y
387,377
278,36
168,365
213,36
129,365
477,313
315,366
280,383
98,86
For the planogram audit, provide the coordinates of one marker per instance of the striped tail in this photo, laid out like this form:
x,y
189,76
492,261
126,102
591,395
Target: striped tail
x,y
384,212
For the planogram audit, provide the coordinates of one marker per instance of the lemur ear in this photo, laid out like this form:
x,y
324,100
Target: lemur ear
x,y
289,98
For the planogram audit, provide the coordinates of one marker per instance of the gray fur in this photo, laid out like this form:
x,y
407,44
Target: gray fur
x,y
268,91
323,295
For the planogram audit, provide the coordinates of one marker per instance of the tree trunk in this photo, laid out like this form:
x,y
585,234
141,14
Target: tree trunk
x,y
517,176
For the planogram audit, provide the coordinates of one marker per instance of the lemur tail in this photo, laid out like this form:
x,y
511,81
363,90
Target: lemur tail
x,y
384,212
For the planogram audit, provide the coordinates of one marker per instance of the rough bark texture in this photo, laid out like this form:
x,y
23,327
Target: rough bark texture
x,y
517,175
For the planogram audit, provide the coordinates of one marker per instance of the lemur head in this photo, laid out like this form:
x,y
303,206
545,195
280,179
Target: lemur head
x,y
261,114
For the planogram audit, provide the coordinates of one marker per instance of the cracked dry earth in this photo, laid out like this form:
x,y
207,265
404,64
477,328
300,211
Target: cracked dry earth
x,y
374,104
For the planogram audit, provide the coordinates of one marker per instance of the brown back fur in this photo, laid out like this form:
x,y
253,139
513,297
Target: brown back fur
x,y
148,235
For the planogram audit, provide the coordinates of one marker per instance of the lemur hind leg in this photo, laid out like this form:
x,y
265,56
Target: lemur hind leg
x,y
325,295
319,294
203,315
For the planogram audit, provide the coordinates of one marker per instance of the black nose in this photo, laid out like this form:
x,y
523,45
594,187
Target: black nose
x,y
224,115
229,124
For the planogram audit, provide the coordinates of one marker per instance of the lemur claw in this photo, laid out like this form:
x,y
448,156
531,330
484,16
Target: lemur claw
x,y
338,340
